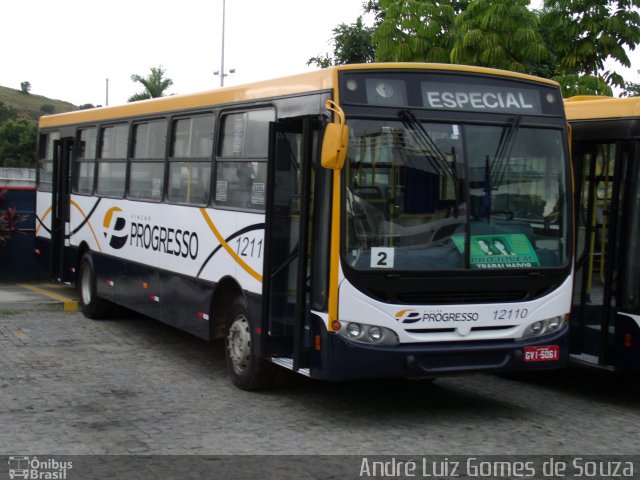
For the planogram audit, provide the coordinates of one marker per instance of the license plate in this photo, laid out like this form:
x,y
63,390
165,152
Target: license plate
x,y
542,353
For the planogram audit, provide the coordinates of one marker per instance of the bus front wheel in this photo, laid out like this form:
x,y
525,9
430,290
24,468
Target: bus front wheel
x,y
92,305
247,371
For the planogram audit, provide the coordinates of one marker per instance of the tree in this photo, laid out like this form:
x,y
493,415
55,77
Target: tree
x,y
7,112
416,30
492,33
25,87
631,89
575,84
47,108
500,34
568,40
351,44
18,142
373,7
583,34
154,84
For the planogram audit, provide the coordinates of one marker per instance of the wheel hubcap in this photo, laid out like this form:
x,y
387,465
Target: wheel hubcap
x,y
239,344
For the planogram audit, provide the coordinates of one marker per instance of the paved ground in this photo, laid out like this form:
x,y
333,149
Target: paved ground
x,y
69,385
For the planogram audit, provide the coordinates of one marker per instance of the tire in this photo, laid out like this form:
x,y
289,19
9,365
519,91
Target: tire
x,y
246,370
92,306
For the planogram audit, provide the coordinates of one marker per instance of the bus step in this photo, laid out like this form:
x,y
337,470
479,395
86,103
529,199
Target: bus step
x,y
287,362
589,360
598,328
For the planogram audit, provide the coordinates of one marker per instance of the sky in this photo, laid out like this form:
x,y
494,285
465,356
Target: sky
x,y
68,49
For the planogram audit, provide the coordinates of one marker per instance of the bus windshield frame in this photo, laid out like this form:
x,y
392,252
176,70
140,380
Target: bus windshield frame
x,y
429,190
441,196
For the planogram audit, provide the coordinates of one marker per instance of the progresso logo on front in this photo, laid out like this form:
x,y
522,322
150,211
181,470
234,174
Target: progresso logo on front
x,y
412,316
480,98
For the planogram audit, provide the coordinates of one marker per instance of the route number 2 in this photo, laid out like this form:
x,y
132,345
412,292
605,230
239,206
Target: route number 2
x,y
382,257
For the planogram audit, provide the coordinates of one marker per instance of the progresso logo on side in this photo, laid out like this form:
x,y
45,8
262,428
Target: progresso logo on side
x,y
114,225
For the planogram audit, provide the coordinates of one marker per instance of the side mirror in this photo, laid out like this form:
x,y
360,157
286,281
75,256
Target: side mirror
x,y
335,140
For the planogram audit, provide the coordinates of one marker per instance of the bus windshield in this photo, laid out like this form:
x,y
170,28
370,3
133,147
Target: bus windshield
x,y
437,196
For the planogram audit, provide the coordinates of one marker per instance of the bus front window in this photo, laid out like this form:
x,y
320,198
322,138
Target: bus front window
x,y
427,196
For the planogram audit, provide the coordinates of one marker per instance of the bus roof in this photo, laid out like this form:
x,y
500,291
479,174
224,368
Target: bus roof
x,y
601,107
319,80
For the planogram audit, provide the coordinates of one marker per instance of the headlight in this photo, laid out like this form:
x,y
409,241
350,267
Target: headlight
x,y
541,327
538,328
374,334
369,334
554,324
354,330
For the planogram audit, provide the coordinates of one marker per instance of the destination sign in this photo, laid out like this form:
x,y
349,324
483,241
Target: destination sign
x,y
450,92
480,98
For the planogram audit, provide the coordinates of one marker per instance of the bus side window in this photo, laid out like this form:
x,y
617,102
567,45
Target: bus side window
x,y
45,160
146,173
241,164
84,165
190,160
112,161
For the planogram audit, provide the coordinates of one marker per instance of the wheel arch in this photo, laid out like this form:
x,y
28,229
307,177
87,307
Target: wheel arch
x,y
226,290
82,249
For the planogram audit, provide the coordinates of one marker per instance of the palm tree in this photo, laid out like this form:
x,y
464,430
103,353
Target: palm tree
x,y
154,84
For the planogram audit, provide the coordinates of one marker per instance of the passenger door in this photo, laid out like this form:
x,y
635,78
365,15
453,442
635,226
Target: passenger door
x,y
61,261
627,321
600,170
289,219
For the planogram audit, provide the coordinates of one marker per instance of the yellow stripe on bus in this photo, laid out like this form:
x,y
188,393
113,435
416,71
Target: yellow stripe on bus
x,y
325,79
335,251
229,250
84,215
41,221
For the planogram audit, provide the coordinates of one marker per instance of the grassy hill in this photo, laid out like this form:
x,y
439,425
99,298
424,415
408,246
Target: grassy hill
x,y
33,106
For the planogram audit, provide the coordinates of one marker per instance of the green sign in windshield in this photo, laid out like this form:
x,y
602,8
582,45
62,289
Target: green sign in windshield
x,y
499,251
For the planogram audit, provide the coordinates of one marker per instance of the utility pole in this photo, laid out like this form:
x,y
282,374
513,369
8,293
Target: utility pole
x,y
221,71
222,56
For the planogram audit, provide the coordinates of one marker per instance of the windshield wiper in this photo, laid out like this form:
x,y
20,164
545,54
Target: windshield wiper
x,y
503,150
428,145
431,151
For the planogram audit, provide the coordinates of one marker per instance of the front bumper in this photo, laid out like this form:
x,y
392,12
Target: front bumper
x,y
345,360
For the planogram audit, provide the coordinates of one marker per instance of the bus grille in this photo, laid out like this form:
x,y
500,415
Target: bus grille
x,y
448,298
451,330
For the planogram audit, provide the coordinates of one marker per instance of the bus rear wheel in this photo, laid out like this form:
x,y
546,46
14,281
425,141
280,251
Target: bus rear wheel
x,y
92,306
247,371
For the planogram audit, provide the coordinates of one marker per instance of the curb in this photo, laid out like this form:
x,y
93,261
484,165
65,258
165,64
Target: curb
x,y
68,304
22,297
36,306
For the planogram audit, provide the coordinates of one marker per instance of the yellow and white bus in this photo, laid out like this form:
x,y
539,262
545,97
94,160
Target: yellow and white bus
x,y
409,220
606,156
